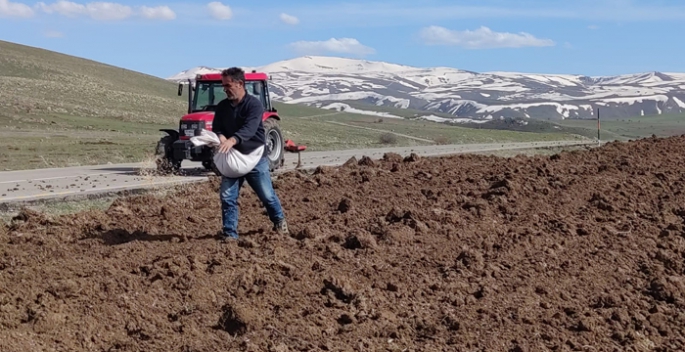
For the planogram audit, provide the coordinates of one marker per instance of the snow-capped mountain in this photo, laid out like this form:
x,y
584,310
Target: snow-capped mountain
x,y
322,81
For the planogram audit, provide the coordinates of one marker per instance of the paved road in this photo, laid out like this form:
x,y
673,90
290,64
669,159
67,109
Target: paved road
x,y
29,185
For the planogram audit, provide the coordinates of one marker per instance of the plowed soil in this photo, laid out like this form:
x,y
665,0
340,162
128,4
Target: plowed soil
x,y
580,251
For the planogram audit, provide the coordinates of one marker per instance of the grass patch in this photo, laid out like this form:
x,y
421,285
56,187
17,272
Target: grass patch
x,y
388,138
634,127
318,135
36,81
443,133
62,150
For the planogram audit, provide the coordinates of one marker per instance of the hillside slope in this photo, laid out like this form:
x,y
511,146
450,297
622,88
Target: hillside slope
x,y
320,81
34,80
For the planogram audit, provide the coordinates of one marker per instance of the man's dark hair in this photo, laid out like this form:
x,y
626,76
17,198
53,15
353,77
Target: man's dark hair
x,y
234,73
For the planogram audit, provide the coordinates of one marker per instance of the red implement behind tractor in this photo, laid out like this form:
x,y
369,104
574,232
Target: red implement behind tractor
x,y
203,96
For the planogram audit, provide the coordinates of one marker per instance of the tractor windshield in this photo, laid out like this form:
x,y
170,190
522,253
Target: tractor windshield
x,y
209,94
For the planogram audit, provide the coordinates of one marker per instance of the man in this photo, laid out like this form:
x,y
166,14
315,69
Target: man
x,y
238,123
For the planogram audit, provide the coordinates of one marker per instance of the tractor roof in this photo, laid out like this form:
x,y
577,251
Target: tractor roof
x,y
251,76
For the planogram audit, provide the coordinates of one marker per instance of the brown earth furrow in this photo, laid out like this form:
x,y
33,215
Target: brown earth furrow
x,y
580,251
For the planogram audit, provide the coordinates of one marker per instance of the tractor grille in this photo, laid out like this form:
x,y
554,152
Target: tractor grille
x,y
191,128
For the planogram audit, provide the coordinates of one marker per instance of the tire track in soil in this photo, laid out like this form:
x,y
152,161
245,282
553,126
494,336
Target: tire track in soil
x,y
579,251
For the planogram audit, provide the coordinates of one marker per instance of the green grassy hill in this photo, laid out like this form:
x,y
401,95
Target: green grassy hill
x,y
37,81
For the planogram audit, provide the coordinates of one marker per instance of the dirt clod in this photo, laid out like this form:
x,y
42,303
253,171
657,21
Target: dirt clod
x,y
350,163
413,157
366,161
345,205
392,157
582,251
233,321
323,170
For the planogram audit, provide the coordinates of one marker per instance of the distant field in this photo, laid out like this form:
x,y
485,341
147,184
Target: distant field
x,y
62,140
587,129
438,132
635,127
611,129
442,133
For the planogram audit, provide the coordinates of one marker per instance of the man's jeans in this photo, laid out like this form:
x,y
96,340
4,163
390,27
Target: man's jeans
x,y
259,180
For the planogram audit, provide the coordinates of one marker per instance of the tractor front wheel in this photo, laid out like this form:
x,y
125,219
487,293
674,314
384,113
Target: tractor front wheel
x,y
275,146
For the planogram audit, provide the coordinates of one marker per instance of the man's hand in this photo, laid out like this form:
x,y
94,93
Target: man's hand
x,y
226,144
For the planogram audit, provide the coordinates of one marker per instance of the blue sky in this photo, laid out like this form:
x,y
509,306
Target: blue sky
x,y
161,38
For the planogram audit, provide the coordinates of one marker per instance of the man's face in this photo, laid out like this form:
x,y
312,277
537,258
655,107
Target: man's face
x,y
231,87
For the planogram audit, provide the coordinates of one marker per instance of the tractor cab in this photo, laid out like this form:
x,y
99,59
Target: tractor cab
x,y
204,93
207,91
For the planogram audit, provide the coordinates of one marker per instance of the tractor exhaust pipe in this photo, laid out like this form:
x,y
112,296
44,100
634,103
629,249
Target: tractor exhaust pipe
x,y
190,96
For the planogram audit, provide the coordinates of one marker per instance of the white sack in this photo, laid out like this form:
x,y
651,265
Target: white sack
x,y
232,163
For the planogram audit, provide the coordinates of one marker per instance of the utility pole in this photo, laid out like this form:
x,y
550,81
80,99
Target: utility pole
x,y
599,141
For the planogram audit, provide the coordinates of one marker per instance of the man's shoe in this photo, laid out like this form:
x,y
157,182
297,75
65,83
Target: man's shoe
x,y
281,227
227,239
224,238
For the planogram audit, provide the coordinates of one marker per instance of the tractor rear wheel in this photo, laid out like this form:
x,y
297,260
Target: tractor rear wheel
x,y
275,146
164,156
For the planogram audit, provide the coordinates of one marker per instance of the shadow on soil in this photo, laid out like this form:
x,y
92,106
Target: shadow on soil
x,y
120,236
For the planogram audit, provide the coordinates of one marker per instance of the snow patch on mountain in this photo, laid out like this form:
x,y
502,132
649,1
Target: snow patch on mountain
x,y
347,108
451,120
679,102
634,100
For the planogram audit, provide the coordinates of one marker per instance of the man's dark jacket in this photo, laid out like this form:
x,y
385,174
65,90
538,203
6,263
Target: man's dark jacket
x,y
243,121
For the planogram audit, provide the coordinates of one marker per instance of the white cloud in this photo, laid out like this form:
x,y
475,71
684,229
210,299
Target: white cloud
x,y
106,11
219,10
65,8
593,26
289,19
14,9
101,11
333,45
481,38
157,13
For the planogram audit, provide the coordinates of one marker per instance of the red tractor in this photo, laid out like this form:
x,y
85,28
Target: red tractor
x,y
203,98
